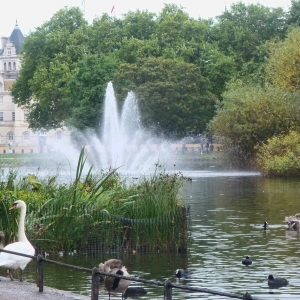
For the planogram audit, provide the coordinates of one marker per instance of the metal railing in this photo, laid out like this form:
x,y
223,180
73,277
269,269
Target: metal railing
x,y
167,285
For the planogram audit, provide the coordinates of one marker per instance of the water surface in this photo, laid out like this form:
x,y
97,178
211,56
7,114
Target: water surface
x,y
227,214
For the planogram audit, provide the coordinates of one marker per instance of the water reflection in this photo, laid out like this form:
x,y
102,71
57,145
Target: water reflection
x,y
227,214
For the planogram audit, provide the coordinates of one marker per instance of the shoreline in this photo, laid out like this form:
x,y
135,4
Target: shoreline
x,y
16,290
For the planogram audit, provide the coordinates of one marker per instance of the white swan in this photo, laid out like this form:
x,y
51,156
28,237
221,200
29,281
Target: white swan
x,y
11,261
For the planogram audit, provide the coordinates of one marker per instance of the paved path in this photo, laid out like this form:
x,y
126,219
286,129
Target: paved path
x,y
16,290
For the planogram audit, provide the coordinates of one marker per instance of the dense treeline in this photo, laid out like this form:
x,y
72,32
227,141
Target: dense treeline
x,y
185,72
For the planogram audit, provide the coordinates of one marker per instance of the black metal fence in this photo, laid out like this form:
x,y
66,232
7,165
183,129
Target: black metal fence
x,y
95,273
88,230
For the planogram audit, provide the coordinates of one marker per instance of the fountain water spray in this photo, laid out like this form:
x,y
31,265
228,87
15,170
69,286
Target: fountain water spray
x,y
121,141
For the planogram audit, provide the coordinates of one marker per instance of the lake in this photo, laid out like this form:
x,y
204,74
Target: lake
x,y
228,210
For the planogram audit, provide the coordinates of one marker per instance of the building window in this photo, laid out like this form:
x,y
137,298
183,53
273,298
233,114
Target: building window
x,y
10,136
9,66
26,136
14,65
13,116
25,115
1,116
5,67
1,99
8,51
59,135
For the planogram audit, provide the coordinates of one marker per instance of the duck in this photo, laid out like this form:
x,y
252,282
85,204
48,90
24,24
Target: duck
x,y
115,284
11,261
181,273
134,291
293,222
247,261
108,265
277,281
265,226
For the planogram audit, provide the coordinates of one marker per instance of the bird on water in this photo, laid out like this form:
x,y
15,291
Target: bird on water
x,y
247,261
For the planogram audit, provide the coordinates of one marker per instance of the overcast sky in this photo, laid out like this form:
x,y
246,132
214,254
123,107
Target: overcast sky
x,y
33,13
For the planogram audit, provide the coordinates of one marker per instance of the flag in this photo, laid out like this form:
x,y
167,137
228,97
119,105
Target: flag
x,y
112,9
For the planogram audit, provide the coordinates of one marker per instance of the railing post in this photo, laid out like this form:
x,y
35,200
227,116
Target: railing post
x,y
182,248
168,290
95,284
40,273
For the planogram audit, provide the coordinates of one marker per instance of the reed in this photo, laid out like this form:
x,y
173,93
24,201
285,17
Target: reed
x,y
98,211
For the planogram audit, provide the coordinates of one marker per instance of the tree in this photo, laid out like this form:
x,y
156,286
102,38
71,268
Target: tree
x,y
87,89
50,56
284,62
172,95
249,115
293,16
243,29
179,36
105,35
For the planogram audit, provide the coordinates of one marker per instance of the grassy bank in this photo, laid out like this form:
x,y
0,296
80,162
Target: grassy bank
x,y
96,210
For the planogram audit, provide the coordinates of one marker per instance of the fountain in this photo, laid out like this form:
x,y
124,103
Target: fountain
x,y
121,142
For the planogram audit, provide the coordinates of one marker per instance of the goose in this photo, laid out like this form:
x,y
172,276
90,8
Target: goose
x,y
181,273
247,261
277,281
109,265
293,222
117,285
11,261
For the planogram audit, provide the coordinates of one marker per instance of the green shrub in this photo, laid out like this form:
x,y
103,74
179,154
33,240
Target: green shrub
x,y
280,156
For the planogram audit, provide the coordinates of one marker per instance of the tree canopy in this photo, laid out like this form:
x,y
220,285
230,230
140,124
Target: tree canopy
x,y
173,95
177,66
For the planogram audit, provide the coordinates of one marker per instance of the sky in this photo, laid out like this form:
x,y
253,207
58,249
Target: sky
x,y
33,13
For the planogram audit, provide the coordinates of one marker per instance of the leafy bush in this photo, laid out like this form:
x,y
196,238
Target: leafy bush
x,y
250,115
280,156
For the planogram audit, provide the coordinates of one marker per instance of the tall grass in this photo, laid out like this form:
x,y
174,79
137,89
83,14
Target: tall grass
x,y
97,211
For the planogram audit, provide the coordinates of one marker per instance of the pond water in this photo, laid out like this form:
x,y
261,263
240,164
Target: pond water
x,y
227,214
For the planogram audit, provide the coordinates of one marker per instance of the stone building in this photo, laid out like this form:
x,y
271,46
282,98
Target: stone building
x,y
15,136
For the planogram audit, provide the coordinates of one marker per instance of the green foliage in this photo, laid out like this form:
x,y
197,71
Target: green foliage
x,y
155,195
280,155
95,206
177,65
249,115
293,17
50,56
242,29
173,96
284,62
87,90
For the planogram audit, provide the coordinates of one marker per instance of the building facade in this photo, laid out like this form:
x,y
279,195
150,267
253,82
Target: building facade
x,y
15,136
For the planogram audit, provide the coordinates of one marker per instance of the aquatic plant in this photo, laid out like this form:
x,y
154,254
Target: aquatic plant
x,y
97,211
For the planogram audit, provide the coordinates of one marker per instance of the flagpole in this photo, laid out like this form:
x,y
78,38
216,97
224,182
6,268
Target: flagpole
x,y
113,10
83,3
